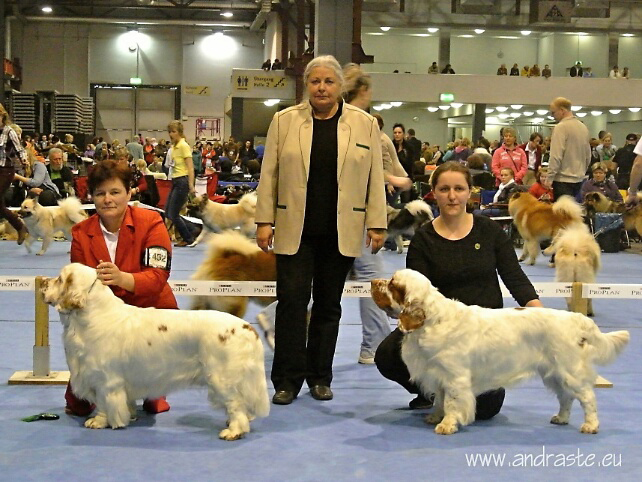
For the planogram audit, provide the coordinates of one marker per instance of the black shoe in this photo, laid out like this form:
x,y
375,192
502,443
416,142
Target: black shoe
x,y
321,392
283,397
421,403
489,404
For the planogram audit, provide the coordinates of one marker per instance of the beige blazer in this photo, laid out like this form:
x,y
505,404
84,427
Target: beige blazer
x,y
286,166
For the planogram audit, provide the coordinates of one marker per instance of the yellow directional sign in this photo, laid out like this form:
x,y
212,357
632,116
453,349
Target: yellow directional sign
x,y
197,89
264,81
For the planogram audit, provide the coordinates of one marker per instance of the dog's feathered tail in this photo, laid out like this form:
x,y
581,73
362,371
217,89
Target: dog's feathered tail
x,y
73,209
607,346
418,207
253,386
567,207
231,242
248,203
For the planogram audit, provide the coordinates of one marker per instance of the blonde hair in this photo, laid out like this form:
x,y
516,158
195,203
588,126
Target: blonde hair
x,y
4,116
177,126
355,79
562,103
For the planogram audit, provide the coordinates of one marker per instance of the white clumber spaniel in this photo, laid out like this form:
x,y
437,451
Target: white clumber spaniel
x,y
458,351
119,353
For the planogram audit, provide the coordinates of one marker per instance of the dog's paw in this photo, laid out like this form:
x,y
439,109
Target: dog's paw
x,y
229,435
557,420
589,427
433,418
96,422
40,253
531,262
521,258
446,428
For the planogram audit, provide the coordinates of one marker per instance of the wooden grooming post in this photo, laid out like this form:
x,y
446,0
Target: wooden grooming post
x,y
41,374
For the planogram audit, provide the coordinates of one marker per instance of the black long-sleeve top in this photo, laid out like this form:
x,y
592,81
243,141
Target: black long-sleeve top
x,y
466,269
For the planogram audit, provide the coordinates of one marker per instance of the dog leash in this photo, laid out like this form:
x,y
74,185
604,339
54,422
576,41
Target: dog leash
x,y
614,225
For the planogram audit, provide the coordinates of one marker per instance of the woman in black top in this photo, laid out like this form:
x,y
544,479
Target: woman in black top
x,y
461,254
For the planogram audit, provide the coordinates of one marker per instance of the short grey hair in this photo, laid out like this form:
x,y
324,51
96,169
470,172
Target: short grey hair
x,y
327,61
510,130
54,150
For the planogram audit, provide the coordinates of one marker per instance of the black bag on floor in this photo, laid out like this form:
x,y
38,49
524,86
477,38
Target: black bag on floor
x,y
607,228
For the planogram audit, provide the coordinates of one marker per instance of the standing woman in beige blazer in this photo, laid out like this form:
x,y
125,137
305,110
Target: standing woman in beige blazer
x,y
321,187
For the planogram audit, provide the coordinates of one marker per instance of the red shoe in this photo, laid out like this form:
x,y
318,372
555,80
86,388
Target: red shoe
x,y
159,405
77,406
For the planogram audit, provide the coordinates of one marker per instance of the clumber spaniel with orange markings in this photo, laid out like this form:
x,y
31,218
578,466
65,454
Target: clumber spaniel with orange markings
x,y
458,351
119,353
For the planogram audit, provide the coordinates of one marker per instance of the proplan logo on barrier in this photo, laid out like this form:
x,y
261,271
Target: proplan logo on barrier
x,y
566,290
225,289
16,284
266,290
183,288
357,289
603,291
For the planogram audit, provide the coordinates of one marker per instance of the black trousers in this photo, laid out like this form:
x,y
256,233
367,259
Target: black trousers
x,y
6,178
318,268
390,364
566,188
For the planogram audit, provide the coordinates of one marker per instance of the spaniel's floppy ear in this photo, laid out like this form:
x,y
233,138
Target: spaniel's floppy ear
x,y
413,315
72,297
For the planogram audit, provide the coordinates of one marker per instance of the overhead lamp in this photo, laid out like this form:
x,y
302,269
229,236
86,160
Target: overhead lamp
x,y
479,31
526,32
503,116
516,106
456,105
46,9
538,120
227,14
627,35
581,114
271,102
466,36
377,107
385,29
491,120
501,108
582,34
541,111
596,112
634,109
515,115
386,106
528,113
615,111
575,108
433,30
396,103
444,107
432,108
490,110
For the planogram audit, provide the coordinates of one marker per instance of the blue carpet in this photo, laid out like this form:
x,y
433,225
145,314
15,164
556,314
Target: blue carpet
x,y
365,433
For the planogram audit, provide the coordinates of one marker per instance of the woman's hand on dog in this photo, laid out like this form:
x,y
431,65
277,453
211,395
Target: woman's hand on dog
x,y
110,275
264,236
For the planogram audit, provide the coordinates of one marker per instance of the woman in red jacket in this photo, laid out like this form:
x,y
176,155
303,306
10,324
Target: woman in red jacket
x,y
130,249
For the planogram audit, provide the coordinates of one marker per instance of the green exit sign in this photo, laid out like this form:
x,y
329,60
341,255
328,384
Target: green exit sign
x,y
135,80
446,97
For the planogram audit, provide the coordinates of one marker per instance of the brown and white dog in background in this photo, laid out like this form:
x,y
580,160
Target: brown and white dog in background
x,y
538,221
233,257
458,351
577,257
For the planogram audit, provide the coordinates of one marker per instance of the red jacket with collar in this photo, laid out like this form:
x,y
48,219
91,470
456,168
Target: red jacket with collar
x,y
514,158
538,155
141,228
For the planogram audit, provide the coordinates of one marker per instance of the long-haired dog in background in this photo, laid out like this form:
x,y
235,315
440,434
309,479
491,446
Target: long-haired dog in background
x,y
631,215
218,217
233,257
407,220
577,257
538,221
457,351
118,353
43,222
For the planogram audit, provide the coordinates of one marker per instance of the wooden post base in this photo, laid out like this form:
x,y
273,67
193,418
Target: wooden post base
x,y
28,378
602,382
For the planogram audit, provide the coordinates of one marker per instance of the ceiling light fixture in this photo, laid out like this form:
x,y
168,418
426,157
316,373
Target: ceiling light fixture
x,y
47,9
581,114
456,105
515,115
444,107
433,30
627,35
479,31
516,106
432,108
466,36
396,103
377,107
634,109
575,108
541,111
615,111
385,29
503,116
538,120
526,32
528,113
490,110
501,108
227,14
596,112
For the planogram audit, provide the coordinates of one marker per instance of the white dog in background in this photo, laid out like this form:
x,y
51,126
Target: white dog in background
x,y
577,257
119,353
458,351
